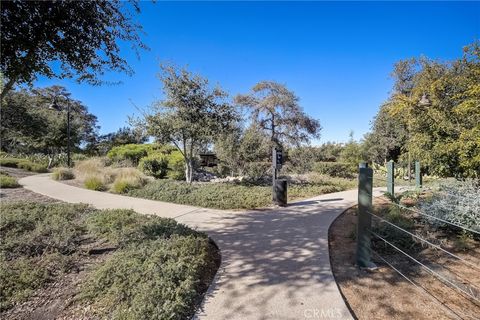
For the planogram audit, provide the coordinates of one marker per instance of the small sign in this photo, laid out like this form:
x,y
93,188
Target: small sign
x,y
277,158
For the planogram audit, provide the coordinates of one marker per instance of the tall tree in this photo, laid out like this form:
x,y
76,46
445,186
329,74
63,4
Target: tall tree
x,y
443,133
276,110
191,116
82,36
387,138
29,125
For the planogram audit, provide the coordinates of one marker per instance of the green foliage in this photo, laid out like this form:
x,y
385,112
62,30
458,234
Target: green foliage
x,y
29,46
457,202
37,241
8,182
132,152
163,279
165,262
127,183
275,110
23,164
398,237
124,227
30,126
94,183
121,137
192,115
168,264
62,174
176,166
244,153
353,153
335,169
437,104
229,195
155,165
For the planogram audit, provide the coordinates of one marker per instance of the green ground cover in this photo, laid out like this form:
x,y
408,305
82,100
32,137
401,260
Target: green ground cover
x,y
158,270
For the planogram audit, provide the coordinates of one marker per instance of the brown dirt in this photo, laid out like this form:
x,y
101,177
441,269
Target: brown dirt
x,y
21,194
384,294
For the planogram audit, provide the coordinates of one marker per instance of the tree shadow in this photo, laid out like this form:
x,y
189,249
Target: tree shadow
x,y
281,253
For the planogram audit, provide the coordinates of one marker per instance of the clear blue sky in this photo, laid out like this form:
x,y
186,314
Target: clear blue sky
x,y
337,57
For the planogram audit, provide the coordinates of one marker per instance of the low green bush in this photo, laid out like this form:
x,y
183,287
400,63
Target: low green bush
x,y
122,227
176,166
94,183
9,162
335,169
37,243
154,279
131,152
155,165
23,164
160,268
8,182
226,195
63,174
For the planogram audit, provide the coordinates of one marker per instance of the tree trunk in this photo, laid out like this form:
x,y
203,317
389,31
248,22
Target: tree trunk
x,y
7,88
189,170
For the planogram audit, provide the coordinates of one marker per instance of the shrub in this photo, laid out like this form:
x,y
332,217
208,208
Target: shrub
x,y
9,162
457,202
23,164
155,165
37,243
225,195
94,183
335,169
122,226
127,179
131,152
176,166
8,182
62,174
163,279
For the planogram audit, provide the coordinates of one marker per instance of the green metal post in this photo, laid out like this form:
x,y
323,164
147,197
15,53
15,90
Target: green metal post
x,y
418,174
365,178
391,177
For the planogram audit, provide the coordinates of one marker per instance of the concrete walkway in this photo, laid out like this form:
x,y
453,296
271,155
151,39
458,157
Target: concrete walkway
x,y
275,262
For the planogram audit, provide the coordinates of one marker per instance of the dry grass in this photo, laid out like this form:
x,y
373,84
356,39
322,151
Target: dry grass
x,y
116,179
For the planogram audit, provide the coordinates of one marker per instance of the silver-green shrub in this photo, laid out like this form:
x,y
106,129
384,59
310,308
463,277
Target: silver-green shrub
x,y
457,202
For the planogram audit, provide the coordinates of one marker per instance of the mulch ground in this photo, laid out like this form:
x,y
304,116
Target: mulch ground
x,y
385,294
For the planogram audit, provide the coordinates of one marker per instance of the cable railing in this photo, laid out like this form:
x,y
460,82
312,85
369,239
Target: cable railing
x,y
451,279
419,287
434,273
436,218
466,262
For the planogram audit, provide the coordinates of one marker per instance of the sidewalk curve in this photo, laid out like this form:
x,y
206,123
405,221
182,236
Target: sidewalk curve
x,y
275,262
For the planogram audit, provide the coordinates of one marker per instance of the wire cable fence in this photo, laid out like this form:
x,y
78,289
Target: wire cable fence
x,y
466,262
436,218
419,287
439,271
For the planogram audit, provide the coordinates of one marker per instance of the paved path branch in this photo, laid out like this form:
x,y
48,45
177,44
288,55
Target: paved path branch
x,y
275,262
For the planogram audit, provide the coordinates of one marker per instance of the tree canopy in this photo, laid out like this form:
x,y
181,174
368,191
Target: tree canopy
x,y
83,36
192,114
275,109
30,126
436,106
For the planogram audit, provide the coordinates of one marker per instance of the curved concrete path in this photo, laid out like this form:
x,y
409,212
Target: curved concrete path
x,y
275,262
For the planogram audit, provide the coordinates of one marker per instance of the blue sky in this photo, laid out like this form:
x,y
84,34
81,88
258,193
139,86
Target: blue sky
x,y
336,56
